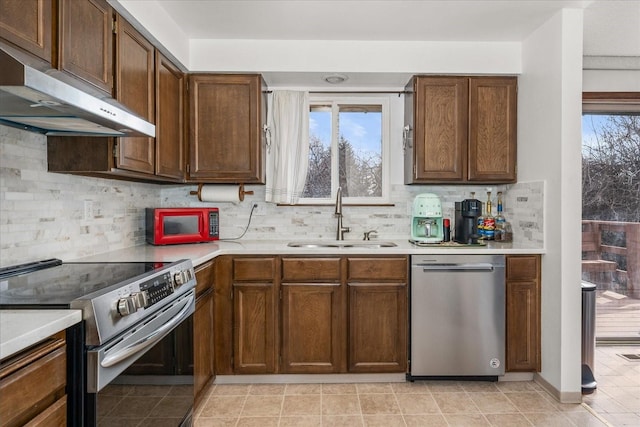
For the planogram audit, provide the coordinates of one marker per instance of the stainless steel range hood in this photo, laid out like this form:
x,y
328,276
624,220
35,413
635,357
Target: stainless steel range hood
x,y
30,98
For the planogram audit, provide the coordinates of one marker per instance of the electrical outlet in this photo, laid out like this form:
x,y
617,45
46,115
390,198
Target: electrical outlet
x,y
261,209
88,209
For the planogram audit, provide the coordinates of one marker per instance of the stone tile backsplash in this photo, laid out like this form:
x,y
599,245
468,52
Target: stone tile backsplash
x,y
45,215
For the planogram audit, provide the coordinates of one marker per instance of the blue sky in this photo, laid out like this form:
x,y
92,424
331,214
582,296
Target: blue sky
x,y
590,123
362,130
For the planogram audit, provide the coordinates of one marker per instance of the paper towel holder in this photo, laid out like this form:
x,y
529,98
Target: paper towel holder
x,y
241,192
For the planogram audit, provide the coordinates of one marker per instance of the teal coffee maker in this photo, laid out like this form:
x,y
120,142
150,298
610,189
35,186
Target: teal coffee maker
x,y
426,220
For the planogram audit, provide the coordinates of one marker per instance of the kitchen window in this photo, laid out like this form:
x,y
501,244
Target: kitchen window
x,y
348,148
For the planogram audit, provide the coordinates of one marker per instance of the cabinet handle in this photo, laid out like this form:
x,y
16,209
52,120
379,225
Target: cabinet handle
x,y
267,136
406,139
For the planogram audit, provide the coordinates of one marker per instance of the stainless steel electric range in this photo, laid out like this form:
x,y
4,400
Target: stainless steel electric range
x,y
130,361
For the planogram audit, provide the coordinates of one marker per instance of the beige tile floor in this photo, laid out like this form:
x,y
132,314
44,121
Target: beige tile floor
x,y
423,403
617,397
615,403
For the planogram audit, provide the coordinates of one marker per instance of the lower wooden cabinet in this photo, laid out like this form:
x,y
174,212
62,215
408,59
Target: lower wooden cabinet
x,y
254,326
312,328
311,315
523,313
203,356
32,385
377,327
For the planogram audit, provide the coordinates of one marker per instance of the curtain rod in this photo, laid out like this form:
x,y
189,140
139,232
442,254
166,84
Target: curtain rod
x,y
399,92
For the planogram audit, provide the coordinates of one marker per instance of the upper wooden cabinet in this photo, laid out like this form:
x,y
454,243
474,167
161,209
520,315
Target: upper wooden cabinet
x,y
135,89
86,41
170,144
226,139
150,86
27,24
460,129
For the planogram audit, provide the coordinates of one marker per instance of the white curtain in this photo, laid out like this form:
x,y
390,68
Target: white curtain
x,y
287,146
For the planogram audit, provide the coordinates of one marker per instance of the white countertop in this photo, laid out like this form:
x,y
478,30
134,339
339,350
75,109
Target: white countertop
x,y
202,252
21,328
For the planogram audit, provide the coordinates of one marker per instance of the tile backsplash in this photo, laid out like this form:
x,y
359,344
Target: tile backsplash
x,y
44,215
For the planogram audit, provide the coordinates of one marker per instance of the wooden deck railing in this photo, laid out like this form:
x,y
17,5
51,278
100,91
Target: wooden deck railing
x,y
592,249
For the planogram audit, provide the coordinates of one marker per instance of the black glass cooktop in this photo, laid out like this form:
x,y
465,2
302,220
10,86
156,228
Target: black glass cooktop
x,y
56,286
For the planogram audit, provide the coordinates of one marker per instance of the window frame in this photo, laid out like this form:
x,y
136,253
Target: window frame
x,y
335,100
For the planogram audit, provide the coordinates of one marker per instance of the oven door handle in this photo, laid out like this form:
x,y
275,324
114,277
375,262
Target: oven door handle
x,y
149,340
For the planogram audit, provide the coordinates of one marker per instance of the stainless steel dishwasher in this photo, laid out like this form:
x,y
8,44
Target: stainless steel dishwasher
x,y
457,316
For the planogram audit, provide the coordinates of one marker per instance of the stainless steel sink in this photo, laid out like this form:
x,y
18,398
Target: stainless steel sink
x,y
371,244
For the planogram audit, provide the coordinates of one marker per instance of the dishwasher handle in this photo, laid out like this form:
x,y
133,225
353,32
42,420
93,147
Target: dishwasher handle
x,y
473,267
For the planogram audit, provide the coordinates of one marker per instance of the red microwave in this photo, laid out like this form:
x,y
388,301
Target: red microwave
x,y
172,226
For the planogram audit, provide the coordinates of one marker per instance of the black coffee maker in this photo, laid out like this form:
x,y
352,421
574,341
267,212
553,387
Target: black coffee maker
x,y
467,213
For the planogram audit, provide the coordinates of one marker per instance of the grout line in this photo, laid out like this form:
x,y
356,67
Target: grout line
x,y
595,414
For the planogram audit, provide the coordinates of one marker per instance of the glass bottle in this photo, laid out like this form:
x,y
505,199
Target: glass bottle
x,y
480,220
489,222
500,220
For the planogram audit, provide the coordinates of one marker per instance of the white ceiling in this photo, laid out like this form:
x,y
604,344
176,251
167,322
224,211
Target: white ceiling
x,y
452,20
611,27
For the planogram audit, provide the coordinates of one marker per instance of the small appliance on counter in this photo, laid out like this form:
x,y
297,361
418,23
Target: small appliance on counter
x,y
466,228
426,219
172,226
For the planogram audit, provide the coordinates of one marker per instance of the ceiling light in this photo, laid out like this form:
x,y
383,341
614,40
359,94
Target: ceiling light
x,y
335,79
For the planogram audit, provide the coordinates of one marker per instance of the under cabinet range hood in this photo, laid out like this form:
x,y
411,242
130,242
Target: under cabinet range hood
x,y
31,99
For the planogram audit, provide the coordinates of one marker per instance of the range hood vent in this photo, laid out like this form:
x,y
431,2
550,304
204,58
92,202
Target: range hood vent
x,y
32,99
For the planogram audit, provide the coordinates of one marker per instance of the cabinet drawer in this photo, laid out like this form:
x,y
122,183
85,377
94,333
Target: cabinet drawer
x,y
252,269
310,269
53,416
37,385
204,273
525,267
377,269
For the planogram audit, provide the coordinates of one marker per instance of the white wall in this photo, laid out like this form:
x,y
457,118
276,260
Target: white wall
x,y
549,138
354,56
158,23
42,214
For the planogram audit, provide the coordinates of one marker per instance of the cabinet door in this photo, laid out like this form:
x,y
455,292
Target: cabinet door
x,y
254,328
439,147
523,313
377,327
492,129
203,344
27,24
225,143
135,89
312,328
86,41
170,160
33,382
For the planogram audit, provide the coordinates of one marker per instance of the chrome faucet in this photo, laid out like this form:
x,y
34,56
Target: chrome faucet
x,y
338,213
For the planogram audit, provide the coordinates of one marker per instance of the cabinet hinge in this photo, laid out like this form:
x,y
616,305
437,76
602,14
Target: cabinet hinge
x,y
116,150
114,26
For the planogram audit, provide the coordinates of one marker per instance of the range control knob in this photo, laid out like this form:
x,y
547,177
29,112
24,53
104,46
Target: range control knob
x,y
182,277
126,306
130,304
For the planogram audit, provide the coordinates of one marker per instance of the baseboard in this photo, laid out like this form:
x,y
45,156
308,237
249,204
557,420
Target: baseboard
x,y
562,397
516,376
309,379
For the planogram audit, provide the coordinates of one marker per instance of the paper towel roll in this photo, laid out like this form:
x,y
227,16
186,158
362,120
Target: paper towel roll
x,y
221,193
